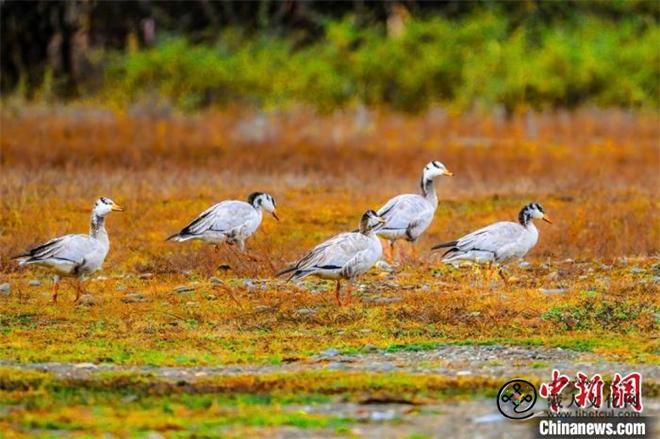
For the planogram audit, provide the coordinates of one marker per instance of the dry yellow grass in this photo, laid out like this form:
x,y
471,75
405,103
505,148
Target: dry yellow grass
x,y
594,172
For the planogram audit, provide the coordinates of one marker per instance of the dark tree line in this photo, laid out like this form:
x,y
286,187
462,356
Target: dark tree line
x,y
55,36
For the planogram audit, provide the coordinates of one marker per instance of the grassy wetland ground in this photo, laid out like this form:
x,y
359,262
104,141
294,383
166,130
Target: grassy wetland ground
x,y
164,343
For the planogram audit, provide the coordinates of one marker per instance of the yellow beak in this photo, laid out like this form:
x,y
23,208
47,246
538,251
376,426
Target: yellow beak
x,y
448,173
116,208
546,219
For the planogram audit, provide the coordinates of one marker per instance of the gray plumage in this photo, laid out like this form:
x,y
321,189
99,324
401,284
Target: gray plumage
x,y
500,242
230,221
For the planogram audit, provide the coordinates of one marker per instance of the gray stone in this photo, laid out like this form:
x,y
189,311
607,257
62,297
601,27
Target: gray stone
x,y
145,275
385,300
637,270
306,312
183,289
87,300
329,353
216,281
5,288
34,283
525,265
133,298
553,290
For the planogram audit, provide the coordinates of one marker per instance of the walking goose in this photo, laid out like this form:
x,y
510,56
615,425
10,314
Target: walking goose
x,y
407,216
230,221
344,256
497,243
75,255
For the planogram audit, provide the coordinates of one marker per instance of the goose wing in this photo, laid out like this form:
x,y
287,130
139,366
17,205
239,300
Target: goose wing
x,y
220,218
331,255
403,211
68,249
490,239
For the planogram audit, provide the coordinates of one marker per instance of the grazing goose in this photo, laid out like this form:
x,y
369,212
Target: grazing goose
x,y
229,221
75,255
407,216
498,243
344,256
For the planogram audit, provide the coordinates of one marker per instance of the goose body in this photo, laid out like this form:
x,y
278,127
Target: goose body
x,y
344,256
500,242
230,221
408,216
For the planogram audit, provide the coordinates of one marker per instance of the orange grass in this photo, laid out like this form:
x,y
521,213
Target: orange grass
x,y
594,172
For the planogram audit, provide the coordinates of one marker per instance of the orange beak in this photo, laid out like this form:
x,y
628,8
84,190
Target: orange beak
x,y
448,173
547,220
275,216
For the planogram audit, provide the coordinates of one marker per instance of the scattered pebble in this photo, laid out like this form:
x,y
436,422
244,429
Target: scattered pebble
x,y
145,275
211,297
5,288
553,276
306,312
262,308
462,373
85,366
384,300
183,289
120,287
87,300
474,314
491,417
525,265
332,352
637,270
133,298
216,281
337,366
553,290
192,303
383,367
383,265
382,416
34,283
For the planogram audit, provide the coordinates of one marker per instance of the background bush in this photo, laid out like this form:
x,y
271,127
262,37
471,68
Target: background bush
x,y
479,60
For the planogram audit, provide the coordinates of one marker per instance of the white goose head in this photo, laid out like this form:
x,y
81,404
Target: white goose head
x,y
432,170
262,200
104,206
530,212
370,222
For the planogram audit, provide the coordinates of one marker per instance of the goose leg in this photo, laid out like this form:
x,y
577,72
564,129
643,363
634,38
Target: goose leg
x,y
78,291
56,287
349,292
337,293
500,271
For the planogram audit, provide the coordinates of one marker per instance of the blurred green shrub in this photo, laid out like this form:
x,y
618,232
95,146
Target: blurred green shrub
x,y
481,60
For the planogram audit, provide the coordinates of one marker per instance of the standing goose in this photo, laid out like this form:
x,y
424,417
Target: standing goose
x,y
75,255
407,216
497,243
229,221
344,256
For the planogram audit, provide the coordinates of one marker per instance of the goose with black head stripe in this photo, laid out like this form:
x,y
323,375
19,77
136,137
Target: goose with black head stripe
x,y
497,243
344,256
230,221
407,216
75,255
